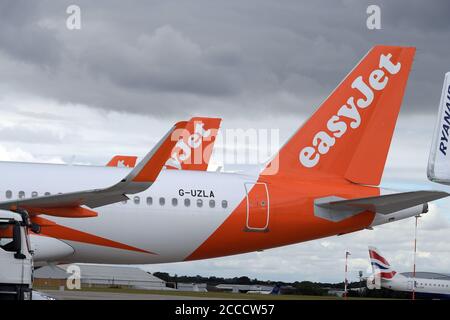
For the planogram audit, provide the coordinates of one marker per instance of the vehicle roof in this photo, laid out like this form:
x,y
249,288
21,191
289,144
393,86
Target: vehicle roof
x,y
9,215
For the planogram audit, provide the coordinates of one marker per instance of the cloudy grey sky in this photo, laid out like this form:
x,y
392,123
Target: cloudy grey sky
x,y
135,67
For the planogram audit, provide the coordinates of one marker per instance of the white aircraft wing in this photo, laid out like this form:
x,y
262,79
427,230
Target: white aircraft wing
x,y
439,160
69,204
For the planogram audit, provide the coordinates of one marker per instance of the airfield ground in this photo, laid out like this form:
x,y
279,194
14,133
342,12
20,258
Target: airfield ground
x,y
129,294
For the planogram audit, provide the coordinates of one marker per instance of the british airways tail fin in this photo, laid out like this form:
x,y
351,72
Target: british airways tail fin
x,y
380,266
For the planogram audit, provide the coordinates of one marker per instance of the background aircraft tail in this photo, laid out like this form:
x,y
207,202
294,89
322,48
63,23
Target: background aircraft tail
x,y
195,144
122,161
380,266
192,150
439,160
276,290
350,134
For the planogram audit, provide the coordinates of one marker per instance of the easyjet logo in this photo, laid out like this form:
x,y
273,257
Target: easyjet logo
x,y
348,116
186,144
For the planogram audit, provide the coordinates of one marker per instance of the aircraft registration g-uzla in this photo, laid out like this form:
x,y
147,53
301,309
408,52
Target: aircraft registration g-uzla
x,y
388,278
326,184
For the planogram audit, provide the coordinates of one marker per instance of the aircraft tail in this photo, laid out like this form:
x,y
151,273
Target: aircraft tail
x,y
350,134
195,144
276,290
380,266
122,161
192,150
439,160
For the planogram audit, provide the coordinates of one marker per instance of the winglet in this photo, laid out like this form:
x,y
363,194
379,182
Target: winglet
x,y
138,180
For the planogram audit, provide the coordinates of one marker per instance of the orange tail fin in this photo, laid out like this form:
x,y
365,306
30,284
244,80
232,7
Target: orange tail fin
x,y
350,134
192,151
122,161
195,144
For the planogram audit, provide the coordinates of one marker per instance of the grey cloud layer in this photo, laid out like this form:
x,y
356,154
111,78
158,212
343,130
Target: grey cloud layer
x,y
212,57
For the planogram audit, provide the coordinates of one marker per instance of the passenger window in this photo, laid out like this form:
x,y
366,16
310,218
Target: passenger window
x,y
8,194
47,194
212,203
187,202
136,200
199,203
21,194
174,202
224,204
162,201
34,194
149,201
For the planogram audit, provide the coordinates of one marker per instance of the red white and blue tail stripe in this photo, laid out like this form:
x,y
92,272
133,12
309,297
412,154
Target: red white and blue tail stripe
x,y
380,266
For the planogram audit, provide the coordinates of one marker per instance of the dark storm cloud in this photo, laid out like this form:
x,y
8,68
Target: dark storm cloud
x,y
22,38
212,57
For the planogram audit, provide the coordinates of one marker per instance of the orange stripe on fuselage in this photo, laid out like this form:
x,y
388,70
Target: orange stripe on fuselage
x,y
65,212
292,218
57,231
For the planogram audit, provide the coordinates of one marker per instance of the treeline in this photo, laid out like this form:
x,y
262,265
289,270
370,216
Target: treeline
x,y
297,287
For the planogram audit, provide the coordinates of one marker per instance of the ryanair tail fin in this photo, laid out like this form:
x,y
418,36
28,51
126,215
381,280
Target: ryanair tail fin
x,y
439,160
350,134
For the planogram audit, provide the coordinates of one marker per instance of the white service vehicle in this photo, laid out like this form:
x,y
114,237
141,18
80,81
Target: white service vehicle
x,y
16,260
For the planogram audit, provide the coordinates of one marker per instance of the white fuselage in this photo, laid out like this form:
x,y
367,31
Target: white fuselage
x,y
425,286
180,213
171,232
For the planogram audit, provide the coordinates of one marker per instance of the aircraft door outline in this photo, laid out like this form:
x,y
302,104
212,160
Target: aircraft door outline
x,y
258,207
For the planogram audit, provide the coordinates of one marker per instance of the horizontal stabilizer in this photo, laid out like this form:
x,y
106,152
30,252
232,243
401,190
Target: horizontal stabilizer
x,y
384,204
